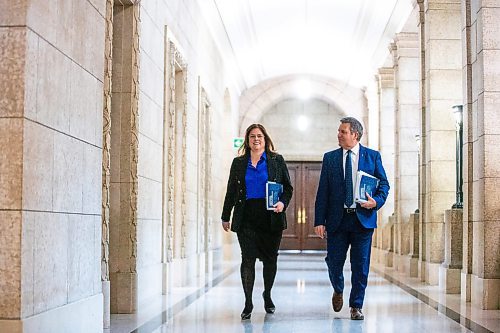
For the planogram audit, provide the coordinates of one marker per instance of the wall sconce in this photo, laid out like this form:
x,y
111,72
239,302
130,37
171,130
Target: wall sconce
x,y
458,114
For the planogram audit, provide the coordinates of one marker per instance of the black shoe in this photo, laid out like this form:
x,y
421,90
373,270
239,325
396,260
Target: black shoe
x,y
247,312
268,303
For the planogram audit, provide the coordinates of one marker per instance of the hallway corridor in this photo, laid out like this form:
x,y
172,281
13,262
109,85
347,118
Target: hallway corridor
x,y
302,295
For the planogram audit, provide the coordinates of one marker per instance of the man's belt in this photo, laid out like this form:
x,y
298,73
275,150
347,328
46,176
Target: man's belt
x,y
350,210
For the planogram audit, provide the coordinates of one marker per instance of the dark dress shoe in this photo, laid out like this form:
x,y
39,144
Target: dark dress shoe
x,y
247,312
268,303
356,314
337,302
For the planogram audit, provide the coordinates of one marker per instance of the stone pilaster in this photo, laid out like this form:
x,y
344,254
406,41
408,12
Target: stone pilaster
x,y
485,60
406,64
386,136
443,79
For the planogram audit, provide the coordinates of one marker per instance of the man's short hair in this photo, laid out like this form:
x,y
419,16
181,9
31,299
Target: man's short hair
x,y
356,126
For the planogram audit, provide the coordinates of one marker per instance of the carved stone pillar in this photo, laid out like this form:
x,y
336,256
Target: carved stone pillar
x,y
485,63
443,78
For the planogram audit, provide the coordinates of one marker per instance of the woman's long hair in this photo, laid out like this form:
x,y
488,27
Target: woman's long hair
x,y
245,147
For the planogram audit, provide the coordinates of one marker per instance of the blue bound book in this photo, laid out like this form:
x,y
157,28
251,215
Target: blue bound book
x,y
273,194
365,183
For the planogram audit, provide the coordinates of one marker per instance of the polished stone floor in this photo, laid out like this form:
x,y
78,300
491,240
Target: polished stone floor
x,y
302,295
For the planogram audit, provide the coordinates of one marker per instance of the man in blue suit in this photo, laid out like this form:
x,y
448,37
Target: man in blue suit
x,y
343,221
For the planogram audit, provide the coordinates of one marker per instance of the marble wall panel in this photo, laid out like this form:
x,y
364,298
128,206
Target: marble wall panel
x,y
491,65
38,167
443,85
10,261
149,235
91,180
151,120
42,17
492,245
67,191
28,262
443,24
150,75
150,201
11,163
12,68
489,32
50,261
81,257
150,159
13,12
83,103
440,115
488,121
442,147
446,54
53,107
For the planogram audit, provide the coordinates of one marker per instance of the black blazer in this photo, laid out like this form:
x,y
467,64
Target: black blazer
x,y
236,190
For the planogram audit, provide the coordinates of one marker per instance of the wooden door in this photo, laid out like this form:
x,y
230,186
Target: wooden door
x,y
300,213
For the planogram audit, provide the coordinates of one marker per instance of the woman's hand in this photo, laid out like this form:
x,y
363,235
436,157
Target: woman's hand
x,y
278,207
226,226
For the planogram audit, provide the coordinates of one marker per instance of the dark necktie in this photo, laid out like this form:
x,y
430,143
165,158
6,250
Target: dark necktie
x,y
348,180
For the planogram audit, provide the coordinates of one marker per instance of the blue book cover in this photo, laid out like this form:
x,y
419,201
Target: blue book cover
x,y
273,193
365,183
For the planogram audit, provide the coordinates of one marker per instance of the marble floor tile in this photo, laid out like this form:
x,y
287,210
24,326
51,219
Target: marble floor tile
x,y
302,295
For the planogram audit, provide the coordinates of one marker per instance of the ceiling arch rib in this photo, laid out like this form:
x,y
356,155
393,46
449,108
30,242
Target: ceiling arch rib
x,y
255,101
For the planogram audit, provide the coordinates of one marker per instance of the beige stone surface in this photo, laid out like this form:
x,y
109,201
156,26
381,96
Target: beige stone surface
x,y
50,261
91,180
67,191
42,18
38,167
83,104
13,12
490,32
11,163
443,85
52,106
28,248
150,201
81,257
485,292
10,261
492,249
12,67
488,121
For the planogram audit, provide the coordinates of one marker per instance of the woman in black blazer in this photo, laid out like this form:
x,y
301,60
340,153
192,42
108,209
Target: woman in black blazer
x,y
259,230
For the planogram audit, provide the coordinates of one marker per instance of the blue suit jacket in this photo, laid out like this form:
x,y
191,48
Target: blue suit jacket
x,y
331,190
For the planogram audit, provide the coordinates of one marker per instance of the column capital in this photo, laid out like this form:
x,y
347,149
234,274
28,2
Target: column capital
x,y
386,77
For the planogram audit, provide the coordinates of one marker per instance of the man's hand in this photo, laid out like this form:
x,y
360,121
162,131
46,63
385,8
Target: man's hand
x,y
370,204
278,207
320,231
226,226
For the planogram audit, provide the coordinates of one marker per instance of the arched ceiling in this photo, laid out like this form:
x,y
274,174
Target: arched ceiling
x,y
255,101
346,40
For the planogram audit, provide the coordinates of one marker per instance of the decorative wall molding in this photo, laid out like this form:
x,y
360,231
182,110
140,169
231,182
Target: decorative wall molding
x,y
204,175
106,141
134,139
173,127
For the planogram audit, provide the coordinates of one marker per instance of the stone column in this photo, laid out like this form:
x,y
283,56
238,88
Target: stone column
x,y
407,126
51,83
422,259
386,137
485,60
386,148
443,77
468,155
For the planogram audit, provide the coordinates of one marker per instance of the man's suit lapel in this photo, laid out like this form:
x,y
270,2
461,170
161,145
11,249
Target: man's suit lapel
x,y
338,165
362,158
